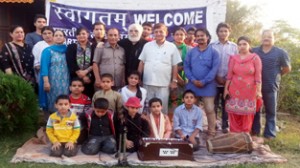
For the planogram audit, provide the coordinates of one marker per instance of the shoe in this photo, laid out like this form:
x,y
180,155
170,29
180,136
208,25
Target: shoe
x,y
225,130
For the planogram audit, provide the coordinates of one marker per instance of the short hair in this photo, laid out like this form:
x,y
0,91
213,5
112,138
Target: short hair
x,y
180,29
267,30
81,29
191,29
160,25
204,30
244,38
107,75
222,24
14,27
154,99
77,80
47,28
113,28
62,97
99,23
38,16
188,91
147,24
101,103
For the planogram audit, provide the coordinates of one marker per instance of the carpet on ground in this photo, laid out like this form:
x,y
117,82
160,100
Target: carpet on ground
x,y
37,150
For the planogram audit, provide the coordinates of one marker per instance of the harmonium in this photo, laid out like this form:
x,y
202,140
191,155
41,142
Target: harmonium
x,y
165,149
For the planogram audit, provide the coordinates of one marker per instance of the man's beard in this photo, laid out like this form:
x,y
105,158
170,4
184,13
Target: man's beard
x,y
133,39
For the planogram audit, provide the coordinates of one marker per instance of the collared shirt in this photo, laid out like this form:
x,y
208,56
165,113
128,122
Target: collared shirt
x,y
225,50
63,129
187,120
272,62
100,125
111,60
158,62
202,66
32,38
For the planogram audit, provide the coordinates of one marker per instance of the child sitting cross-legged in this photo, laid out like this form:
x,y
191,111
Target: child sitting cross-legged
x,y
159,122
100,128
137,127
63,129
188,119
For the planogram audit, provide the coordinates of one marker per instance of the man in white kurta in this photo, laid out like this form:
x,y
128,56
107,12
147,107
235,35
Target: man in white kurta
x,y
158,65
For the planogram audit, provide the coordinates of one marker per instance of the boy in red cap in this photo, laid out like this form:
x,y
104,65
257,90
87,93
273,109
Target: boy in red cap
x,y
137,126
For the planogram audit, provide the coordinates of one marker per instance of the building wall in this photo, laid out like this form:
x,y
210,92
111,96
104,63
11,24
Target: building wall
x,y
18,14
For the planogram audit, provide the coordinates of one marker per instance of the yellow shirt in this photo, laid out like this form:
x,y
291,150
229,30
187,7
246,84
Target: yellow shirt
x,y
63,129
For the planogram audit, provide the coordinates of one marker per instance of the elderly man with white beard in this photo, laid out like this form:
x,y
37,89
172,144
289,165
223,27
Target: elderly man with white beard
x,y
133,46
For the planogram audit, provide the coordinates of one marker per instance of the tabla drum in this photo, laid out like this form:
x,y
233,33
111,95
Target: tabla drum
x,y
230,143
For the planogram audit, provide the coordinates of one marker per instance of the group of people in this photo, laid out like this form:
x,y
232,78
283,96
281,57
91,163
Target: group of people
x,y
94,88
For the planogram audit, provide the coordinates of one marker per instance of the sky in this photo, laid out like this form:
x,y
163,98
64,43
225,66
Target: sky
x,y
288,10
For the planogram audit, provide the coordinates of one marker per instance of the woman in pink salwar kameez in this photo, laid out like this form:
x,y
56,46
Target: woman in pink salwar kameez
x,y
243,87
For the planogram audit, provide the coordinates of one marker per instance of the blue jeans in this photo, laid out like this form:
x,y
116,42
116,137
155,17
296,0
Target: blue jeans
x,y
256,126
270,103
106,144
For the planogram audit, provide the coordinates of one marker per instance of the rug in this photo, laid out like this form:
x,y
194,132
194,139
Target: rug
x,y
38,149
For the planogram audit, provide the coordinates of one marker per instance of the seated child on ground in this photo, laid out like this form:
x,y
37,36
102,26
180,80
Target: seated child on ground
x,y
188,119
100,128
79,104
137,127
114,98
63,129
160,125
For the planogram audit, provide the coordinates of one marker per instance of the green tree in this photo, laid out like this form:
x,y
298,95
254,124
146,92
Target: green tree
x,y
242,20
288,38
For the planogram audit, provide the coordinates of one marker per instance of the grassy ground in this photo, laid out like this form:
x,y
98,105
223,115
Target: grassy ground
x,y
286,144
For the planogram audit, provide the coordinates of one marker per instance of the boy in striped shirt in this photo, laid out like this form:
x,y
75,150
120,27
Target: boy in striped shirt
x,y
63,129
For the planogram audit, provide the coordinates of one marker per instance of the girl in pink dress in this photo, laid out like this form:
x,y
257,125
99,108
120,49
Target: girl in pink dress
x,y
243,87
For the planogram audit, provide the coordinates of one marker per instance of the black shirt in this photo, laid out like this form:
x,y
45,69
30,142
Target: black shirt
x,y
132,53
137,127
100,126
24,64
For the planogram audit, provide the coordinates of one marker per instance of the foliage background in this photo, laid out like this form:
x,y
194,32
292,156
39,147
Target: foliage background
x,y
243,22
18,105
